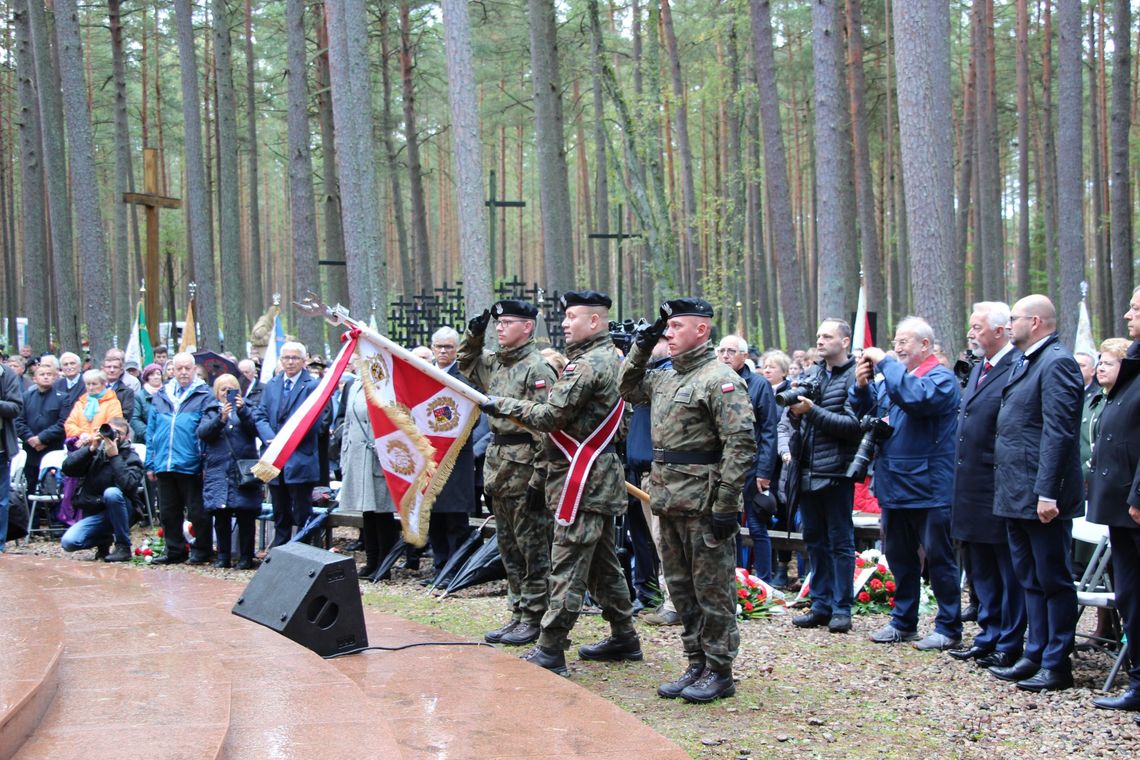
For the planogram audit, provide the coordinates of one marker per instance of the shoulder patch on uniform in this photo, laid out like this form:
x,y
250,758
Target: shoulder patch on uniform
x,y
727,388
539,383
569,368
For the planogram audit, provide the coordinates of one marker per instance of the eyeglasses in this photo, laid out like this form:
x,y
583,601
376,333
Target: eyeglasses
x,y
1014,317
509,321
438,347
727,351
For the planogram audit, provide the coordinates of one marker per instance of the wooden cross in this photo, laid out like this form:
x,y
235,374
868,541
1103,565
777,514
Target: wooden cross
x,y
494,203
153,201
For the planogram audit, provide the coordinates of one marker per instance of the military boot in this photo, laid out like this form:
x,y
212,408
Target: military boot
x,y
553,660
619,646
493,637
711,686
673,689
523,633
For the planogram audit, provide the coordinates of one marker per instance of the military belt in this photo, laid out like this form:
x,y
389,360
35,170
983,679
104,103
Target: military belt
x,y
668,456
510,439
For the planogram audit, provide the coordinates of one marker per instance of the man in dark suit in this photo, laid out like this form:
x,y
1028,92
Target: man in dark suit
x,y
292,491
40,425
1039,490
1001,601
71,378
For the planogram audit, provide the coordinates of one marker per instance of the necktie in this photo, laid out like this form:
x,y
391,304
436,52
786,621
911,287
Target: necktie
x,y
288,385
985,371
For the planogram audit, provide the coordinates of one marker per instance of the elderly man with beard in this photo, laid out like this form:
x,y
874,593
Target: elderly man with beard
x,y
914,477
704,449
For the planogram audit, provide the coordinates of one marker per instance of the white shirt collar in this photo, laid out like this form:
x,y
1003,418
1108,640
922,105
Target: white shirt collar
x,y
1033,349
993,360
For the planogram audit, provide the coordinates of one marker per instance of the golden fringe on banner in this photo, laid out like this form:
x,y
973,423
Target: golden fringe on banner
x,y
442,474
264,471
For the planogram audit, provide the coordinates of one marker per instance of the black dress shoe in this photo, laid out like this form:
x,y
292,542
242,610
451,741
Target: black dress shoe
x,y
244,564
1019,671
972,653
673,689
1048,680
167,559
1129,700
709,687
970,614
198,559
613,649
839,624
811,619
996,660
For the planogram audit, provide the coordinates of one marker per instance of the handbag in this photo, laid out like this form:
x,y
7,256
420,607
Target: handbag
x,y
245,477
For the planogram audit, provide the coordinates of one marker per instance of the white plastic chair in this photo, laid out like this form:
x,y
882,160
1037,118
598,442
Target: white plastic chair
x,y
1094,587
51,460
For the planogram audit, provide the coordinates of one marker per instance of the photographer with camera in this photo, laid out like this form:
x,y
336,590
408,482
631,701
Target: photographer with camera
x,y
110,474
825,434
914,477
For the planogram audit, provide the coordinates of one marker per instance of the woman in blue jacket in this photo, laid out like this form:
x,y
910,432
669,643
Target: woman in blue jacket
x,y
228,434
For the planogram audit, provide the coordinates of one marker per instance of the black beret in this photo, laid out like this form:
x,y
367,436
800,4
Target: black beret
x,y
514,307
585,298
686,307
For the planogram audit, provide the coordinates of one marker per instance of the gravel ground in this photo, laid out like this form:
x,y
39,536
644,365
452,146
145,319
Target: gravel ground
x,y
799,693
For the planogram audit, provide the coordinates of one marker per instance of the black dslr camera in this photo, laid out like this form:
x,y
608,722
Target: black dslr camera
x,y
809,389
875,431
623,333
963,367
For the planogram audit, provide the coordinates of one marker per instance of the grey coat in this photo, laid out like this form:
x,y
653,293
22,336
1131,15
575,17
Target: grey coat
x,y
363,486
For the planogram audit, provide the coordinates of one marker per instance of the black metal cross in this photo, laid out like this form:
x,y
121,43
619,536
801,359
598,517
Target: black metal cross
x,y
493,203
619,236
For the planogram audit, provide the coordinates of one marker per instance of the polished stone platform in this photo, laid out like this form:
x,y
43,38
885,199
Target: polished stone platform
x,y
109,661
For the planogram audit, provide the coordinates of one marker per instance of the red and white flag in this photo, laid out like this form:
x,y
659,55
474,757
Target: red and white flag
x,y
421,417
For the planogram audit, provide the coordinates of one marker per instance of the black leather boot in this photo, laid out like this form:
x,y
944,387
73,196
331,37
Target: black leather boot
x,y
495,636
553,660
709,687
673,689
614,648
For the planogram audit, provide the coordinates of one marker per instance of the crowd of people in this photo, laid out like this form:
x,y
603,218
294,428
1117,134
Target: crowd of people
x,y
981,471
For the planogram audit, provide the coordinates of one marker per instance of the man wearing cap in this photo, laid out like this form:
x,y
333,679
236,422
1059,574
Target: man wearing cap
x,y
703,449
584,485
523,524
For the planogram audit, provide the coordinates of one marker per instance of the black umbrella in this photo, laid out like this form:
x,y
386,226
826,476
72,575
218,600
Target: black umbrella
x,y
485,565
215,365
472,543
385,566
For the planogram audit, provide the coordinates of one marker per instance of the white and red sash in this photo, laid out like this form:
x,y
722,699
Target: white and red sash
x,y
581,457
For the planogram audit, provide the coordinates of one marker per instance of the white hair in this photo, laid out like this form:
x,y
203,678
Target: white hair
x,y
69,355
741,343
95,374
182,355
997,312
50,360
445,333
916,326
294,345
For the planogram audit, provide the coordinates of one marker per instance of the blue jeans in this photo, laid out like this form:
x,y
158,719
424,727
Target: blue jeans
x,y
830,537
4,486
760,560
99,529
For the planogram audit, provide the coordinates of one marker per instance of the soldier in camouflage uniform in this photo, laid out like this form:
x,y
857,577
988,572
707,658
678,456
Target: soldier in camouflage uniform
x,y
703,449
522,523
582,407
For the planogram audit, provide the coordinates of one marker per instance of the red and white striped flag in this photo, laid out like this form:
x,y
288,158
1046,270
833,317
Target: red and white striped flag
x,y
421,417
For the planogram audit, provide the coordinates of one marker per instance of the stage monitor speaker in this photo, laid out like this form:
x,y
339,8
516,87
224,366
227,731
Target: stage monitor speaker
x,y
311,596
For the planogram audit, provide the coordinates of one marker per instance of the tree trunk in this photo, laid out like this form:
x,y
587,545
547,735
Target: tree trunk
x,y
735,270
796,329
966,179
336,276
869,243
922,53
421,258
1121,201
1049,155
1101,301
1022,147
601,171
988,243
92,246
474,259
1070,178
255,300
835,216
302,204
196,198
352,114
229,198
62,260
553,184
690,242
32,216
122,286
407,274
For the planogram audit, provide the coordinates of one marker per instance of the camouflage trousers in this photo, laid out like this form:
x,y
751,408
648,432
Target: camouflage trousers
x,y
702,584
583,559
524,536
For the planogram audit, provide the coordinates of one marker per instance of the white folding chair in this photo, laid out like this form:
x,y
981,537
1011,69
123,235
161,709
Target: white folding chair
x,y
144,489
52,460
1094,588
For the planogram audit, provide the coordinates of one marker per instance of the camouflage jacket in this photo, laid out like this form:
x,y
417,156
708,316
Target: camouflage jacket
x,y
700,405
520,372
580,400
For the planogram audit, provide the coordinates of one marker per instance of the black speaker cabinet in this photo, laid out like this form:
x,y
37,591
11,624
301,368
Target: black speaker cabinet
x,y
310,595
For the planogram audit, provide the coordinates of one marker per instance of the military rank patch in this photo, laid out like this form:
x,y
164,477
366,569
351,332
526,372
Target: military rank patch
x,y
569,369
727,388
539,383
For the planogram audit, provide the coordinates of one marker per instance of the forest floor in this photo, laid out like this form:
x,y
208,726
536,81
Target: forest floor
x,y
800,693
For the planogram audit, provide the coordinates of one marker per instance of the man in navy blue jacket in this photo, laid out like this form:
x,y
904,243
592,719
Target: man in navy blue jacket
x,y
1040,490
914,477
40,425
1001,601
